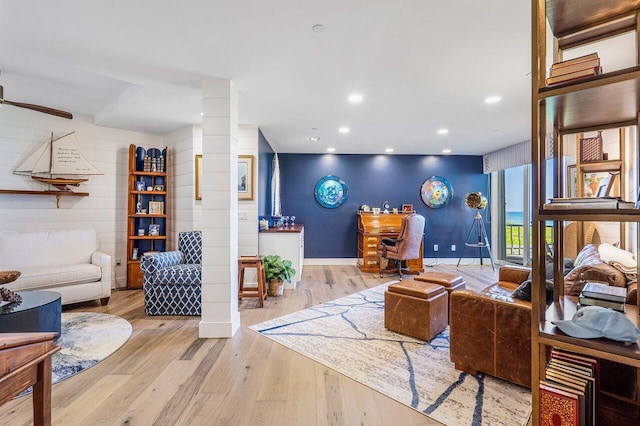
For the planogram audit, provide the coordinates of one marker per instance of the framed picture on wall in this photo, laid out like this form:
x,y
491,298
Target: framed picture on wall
x,y
407,208
245,177
198,176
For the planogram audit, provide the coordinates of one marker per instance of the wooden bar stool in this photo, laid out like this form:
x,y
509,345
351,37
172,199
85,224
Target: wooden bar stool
x,y
252,262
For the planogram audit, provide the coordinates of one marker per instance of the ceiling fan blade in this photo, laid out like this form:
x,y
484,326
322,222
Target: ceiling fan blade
x,y
39,108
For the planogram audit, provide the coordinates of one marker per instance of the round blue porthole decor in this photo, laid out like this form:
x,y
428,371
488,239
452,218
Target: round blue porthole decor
x,y
331,192
436,192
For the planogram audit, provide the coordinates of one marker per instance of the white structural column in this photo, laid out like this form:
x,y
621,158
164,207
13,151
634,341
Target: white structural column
x,y
220,317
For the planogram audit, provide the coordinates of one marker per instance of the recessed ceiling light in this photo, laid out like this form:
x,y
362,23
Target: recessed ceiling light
x,y
202,114
446,151
331,150
344,130
443,131
493,99
388,150
355,98
314,139
318,28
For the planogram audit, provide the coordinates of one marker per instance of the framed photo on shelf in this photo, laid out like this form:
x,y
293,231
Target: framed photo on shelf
x,y
407,208
591,184
156,207
158,188
245,177
198,176
154,230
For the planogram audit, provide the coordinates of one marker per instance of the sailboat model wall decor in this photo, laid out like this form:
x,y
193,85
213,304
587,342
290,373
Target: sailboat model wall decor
x,y
59,162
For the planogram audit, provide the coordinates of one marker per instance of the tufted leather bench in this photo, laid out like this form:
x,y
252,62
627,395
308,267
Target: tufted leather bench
x,y
417,309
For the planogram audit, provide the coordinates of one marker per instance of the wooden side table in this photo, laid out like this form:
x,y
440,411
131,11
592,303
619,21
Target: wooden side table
x,y
25,360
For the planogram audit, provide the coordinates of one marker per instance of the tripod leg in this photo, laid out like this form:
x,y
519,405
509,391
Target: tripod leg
x,y
473,225
486,239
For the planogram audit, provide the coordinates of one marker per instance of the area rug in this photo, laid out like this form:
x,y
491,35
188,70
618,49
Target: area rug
x,y
86,339
348,336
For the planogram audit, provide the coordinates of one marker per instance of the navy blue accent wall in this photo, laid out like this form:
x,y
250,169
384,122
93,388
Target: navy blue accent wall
x,y
373,179
265,160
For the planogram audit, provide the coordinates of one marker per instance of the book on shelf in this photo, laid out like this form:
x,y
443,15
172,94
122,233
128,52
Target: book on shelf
x,y
576,200
570,62
586,203
589,301
574,66
589,72
604,292
558,406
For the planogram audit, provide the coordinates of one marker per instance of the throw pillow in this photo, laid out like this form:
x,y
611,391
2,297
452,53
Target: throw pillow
x,y
589,255
523,291
602,272
609,253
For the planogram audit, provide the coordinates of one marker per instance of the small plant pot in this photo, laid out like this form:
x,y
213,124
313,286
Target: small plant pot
x,y
276,288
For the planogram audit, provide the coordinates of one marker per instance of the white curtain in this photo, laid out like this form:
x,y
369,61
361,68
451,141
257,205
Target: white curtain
x,y
275,188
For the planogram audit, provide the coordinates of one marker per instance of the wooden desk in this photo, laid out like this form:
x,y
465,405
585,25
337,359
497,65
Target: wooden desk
x,y
371,229
25,360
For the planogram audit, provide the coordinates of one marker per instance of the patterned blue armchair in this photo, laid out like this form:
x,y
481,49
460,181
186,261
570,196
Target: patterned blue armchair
x,y
173,280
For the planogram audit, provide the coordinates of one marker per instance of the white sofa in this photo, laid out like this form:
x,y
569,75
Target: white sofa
x,y
65,261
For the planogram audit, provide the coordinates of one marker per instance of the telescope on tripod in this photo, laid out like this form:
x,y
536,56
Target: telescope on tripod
x,y
477,236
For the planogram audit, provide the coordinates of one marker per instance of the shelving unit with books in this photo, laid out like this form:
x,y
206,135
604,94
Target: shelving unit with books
x,y
610,100
146,208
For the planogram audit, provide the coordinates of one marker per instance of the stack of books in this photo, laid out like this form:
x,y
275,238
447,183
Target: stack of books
x,y
589,203
570,389
607,296
573,69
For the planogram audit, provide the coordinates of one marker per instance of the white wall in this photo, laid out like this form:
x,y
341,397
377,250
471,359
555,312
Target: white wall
x,y
248,228
105,209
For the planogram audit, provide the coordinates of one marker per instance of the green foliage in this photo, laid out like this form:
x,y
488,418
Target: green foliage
x,y
276,268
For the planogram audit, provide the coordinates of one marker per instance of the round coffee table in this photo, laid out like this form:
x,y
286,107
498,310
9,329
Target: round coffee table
x,y
38,311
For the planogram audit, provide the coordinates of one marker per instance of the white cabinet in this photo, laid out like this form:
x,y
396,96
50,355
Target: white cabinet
x,y
288,243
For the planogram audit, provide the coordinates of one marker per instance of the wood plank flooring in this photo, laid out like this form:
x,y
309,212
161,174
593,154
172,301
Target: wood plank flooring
x,y
166,375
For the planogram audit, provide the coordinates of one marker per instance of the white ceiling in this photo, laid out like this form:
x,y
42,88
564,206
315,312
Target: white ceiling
x,y
421,65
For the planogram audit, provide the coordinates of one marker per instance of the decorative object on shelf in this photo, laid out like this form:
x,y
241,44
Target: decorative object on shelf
x,y
198,176
139,185
604,186
331,192
158,188
156,207
277,271
591,149
385,207
407,208
376,210
477,201
245,177
139,205
365,208
134,255
436,192
572,181
59,162
593,181
154,230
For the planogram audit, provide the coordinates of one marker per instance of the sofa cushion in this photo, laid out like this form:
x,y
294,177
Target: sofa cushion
x,y
30,249
183,274
52,276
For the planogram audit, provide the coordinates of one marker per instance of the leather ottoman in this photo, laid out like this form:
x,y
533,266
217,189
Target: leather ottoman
x,y
417,309
450,282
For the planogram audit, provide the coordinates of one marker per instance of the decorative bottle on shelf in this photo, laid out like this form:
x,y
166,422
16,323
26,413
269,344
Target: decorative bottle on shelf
x,y
161,163
138,205
154,164
146,167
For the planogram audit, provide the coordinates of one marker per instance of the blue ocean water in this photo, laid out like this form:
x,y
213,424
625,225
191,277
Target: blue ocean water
x,y
514,217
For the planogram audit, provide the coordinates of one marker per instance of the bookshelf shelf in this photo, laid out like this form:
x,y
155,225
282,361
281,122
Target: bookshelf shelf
x,y
606,101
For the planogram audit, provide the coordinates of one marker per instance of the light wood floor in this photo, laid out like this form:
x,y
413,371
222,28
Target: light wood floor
x,y
166,375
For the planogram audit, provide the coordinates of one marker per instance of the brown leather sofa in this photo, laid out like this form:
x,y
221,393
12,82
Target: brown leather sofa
x,y
490,332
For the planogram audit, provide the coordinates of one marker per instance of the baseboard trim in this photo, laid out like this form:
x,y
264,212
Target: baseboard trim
x,y
216,330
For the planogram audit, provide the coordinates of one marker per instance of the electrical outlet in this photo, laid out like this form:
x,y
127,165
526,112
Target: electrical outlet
x,y
118,261
435,247
453,247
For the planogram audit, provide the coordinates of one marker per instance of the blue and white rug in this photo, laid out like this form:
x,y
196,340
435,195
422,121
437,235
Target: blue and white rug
x,y
86,339
348,336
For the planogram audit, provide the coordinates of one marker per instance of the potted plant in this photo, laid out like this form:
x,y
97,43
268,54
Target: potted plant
x,y
277,271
